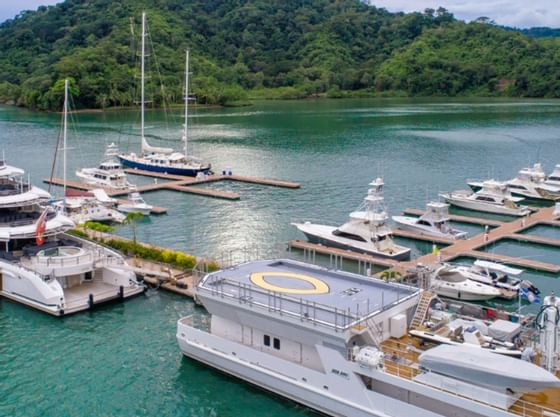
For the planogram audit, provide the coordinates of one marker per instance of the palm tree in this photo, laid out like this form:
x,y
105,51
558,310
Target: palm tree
x,y
131,219
390,275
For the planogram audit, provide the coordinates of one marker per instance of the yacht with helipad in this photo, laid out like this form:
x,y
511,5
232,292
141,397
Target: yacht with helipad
x,y
337,342
366,231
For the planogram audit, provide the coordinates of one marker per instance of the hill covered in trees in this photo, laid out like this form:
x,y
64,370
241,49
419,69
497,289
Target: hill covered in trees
x,y
265,48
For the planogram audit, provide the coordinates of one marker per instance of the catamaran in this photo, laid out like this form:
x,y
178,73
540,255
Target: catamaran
x,y
161,159
366,231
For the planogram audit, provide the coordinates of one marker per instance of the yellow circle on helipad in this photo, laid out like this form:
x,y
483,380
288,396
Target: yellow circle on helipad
x,y
319,287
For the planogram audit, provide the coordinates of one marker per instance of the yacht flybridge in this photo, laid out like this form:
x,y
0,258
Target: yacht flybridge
x,y
554,178
160,159
366,231
493,197
529,183
336,342
434,222
109,173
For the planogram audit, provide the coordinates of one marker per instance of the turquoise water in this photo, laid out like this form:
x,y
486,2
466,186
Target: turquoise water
x,y
543,230
527,250
122,360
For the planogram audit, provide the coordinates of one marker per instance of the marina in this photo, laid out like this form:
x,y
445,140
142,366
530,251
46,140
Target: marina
x,y
167,298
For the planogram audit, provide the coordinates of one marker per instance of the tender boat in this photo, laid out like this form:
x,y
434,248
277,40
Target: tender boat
x,y
450,281
366,230
480,367
493,197
336,342
529,183
160,159
109,173
135,204
497,275
435,222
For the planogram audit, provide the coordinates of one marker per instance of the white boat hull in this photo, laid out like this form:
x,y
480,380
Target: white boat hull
x,y
487,208
409,223
324,235
134,209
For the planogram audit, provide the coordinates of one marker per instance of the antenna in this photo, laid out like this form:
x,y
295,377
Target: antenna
x,y
186,102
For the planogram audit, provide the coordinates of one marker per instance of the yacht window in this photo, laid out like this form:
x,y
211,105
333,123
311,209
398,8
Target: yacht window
x,y
348,236
266,340
481,198
276,343
519,187
554,178
424,222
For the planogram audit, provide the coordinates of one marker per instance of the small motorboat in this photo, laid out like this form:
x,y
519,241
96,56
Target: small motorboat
x,y
434,222
493,197
452,282
135,204
556,212
366,230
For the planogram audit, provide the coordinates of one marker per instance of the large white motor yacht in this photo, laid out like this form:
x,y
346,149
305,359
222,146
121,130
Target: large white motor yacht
x,y
109,174
529,183
334,341
41,266
434,222
554,178
493,197
366,231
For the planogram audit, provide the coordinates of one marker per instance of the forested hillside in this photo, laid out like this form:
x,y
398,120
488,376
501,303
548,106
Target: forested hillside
x,y
264,48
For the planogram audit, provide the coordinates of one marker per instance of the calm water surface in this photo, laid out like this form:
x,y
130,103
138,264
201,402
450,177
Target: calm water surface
x,y
122,360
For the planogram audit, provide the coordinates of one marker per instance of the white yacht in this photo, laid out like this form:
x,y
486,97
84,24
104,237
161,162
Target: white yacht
x,y
335,342
109,174
451,281
160,159
41,266
493,197
434,222
554,178
135,204
556,212
84,207
529,183
366,231
496,275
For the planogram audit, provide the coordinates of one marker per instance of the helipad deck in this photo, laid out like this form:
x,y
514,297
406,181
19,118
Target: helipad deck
x,y
333,298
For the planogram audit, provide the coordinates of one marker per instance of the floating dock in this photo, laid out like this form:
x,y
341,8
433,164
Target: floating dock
x,y
179,183
463,247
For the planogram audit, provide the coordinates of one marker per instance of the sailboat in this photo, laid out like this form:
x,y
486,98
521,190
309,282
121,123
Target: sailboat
x,y
159,159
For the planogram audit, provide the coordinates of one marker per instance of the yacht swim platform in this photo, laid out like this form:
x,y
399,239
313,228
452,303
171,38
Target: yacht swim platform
x,y
335,299
456,218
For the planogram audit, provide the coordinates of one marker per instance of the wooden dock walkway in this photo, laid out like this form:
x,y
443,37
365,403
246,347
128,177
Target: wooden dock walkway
x,y
208,192
461,219
463,247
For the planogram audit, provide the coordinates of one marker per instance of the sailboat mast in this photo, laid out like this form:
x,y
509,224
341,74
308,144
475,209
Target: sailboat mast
x,y
64,138
186,103
142,79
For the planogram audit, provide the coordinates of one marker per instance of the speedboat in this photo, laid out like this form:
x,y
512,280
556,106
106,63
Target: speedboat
x,y
135,204
499,276
109,173
493,197
529,183
450,282
435,222
161,159
365,231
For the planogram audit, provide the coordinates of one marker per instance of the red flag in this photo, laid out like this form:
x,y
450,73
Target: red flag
x,y
41,228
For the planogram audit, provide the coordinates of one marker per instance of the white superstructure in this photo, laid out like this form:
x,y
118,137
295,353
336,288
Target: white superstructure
x,y
366,231
109,174
329,340
452,281
434,222
493,197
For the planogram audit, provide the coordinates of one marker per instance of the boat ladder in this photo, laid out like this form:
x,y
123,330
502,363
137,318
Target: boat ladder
x,y
422,309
